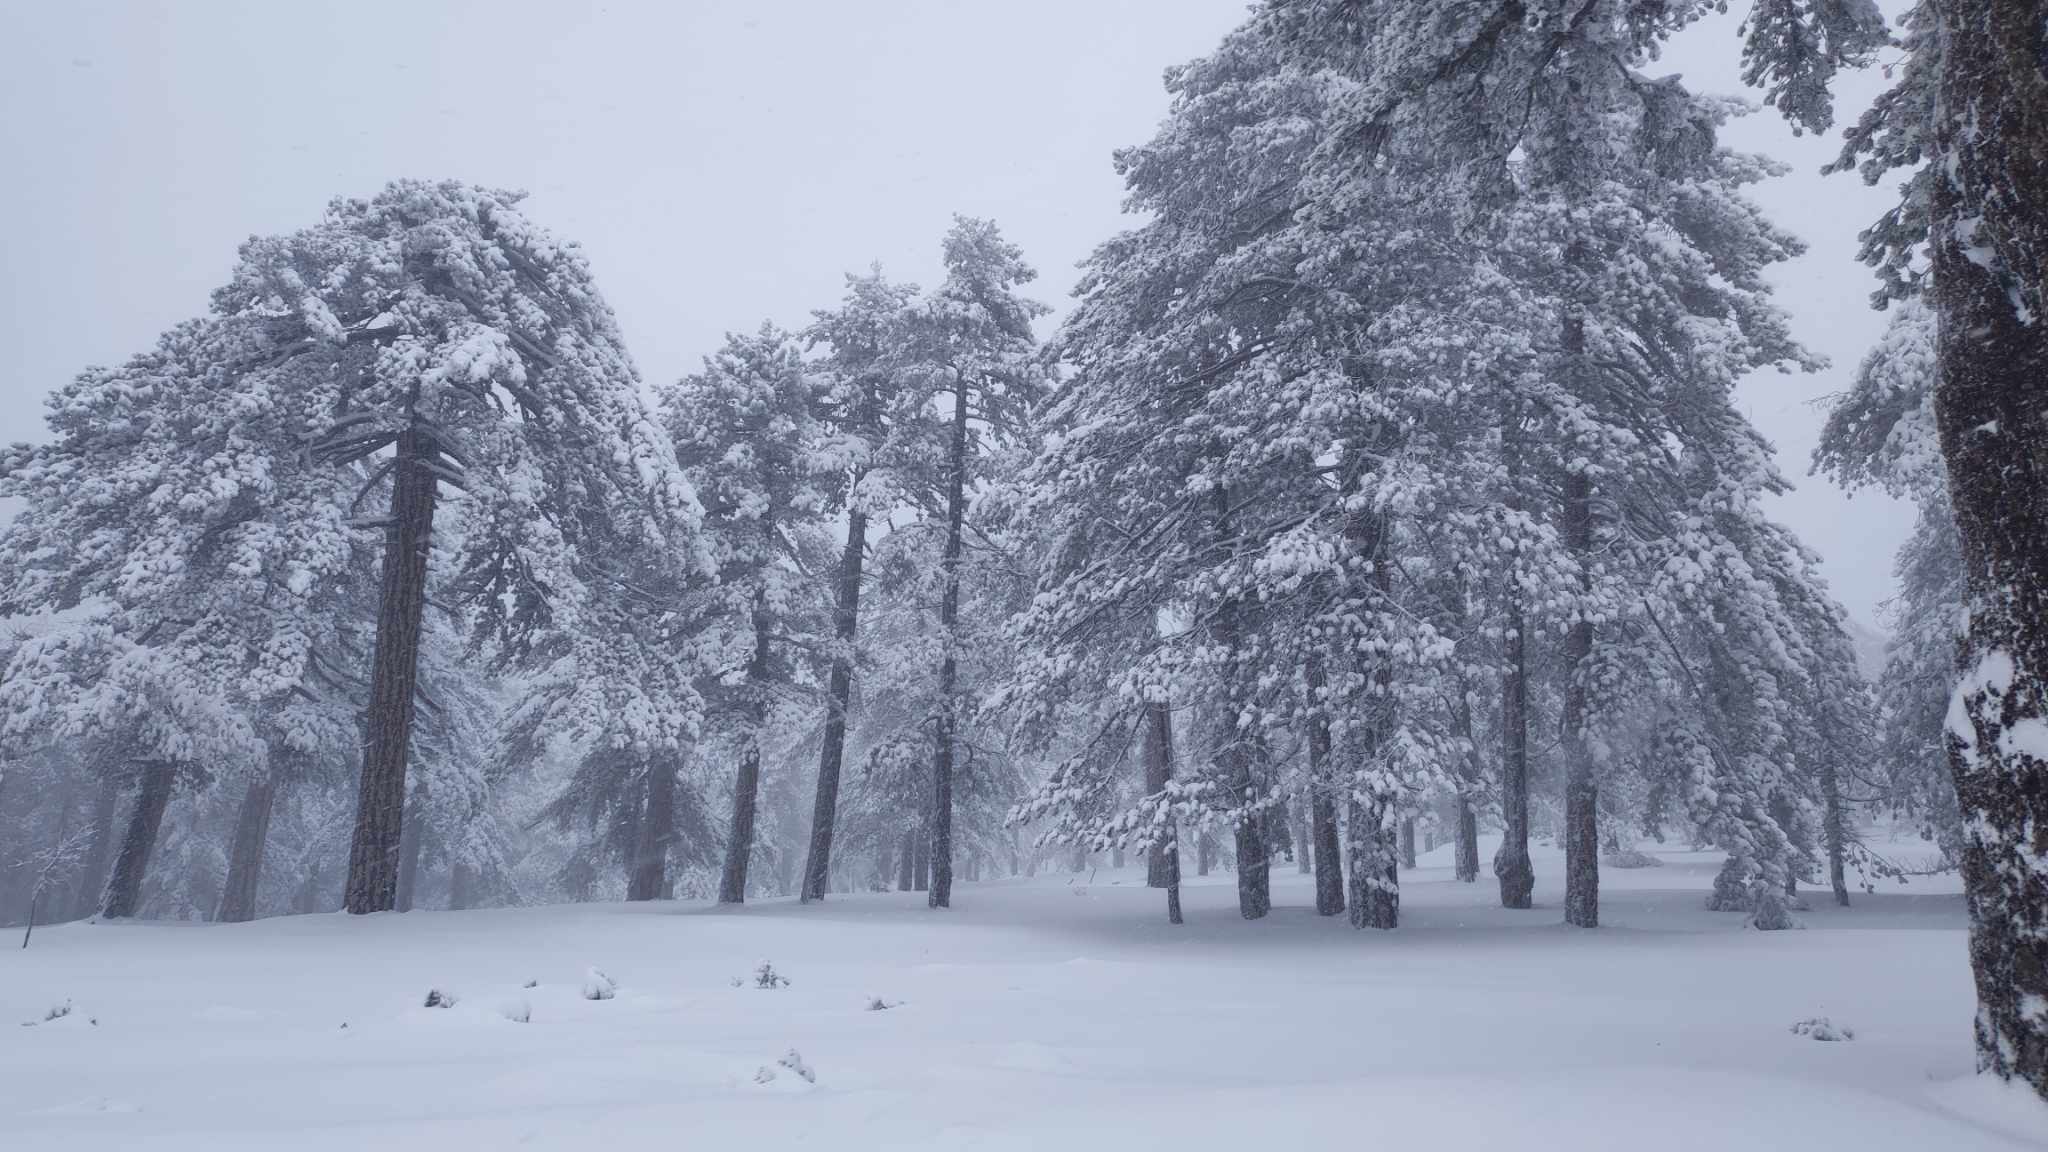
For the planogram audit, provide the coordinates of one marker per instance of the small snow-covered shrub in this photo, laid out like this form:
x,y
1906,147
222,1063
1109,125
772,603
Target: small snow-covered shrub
x,y
517,1010
598,986
531,984
767,977
439,999
1731,889
764,1075
794,1061
1771,915
57,1012
1631,858
877,1004
1822,1028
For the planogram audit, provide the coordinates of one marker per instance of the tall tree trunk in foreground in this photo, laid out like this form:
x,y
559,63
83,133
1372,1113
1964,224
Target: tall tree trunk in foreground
x,y
1374,855
1581,793
949,670
145,821
1511,861
92,880
1989,245
245,856
1158,752
1329,858
838,693
657,832
394,678
746,789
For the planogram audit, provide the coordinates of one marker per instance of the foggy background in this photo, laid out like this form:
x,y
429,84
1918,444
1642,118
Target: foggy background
x,y
721,163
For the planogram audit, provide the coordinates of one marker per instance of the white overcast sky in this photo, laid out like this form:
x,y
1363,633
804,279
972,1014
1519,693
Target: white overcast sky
x,y
722,163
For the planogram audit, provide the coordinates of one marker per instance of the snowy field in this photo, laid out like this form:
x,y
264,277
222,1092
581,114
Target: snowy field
x,y
1055,1013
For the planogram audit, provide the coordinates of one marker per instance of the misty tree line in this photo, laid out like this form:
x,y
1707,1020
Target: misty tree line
x,y
1385,482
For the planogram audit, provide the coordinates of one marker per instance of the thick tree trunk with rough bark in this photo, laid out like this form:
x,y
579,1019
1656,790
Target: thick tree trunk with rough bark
x,y
1374,853
245,854
838,694
1835,831
1581,793
1989,247
138,843
657,832
1511,861
394,677
92,879
1235,755
746,789
1158,752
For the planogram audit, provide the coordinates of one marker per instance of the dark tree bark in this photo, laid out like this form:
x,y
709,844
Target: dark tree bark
x,y
138,843
1989,247
1581,793
906,863
657,832
245,855
1374,857
746,789
1468,842
1158,753
394,676
1511,861
1205,853
1835,831
1329,859
1408,843
838,694
92,881
949,669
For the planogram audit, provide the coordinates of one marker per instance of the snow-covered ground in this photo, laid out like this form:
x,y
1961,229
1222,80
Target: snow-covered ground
x,y
1055,1013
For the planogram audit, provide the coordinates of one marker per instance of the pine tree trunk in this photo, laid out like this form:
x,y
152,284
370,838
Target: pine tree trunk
x,y
657,832
1235,756
1835,830
394,676
1323,791
1468,842
411,841
1374,857
1989,247
746,789
921,863
138,843
1158,753
739,849
1297,819
1581,794
838,694
1408,843
245,855
906,863
462,881
1205,853
92,881
949,631
1511,862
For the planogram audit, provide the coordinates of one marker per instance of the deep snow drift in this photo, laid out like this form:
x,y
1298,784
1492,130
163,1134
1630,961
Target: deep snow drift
x,y
1055,1013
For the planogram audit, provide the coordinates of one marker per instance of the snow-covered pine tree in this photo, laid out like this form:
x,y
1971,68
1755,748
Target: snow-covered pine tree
x,y
970,349
864,396
436,321
747,431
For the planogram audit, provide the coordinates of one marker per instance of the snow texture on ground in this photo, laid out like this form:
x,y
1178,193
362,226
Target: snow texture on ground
x,y
1059,1012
